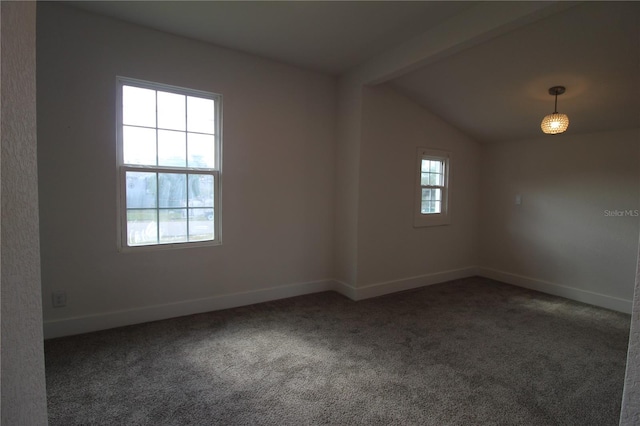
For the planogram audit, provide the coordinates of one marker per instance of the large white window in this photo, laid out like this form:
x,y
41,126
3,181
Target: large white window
x,y
432,188
169,144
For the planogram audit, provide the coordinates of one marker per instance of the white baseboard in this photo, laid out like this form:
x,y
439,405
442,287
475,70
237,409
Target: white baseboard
x,y
89,323
345,289
585,296
106,320
103,321
387,287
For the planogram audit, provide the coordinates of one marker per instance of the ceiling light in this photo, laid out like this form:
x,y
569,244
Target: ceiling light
x,y
555,123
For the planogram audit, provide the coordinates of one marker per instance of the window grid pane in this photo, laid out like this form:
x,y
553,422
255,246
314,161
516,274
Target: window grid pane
x,y
201,150
165,130
172,110
141,190
432,183
201,224
172,190
431,207
434,166
139,145
138,106
173,225
156,124
200,115
185,212
172,148
142,228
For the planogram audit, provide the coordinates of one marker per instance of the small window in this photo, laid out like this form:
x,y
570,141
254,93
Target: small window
x,y
432,188
169,161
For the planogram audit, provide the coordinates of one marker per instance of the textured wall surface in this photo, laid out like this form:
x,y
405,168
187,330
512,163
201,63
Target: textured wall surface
x,y
631,398
23,398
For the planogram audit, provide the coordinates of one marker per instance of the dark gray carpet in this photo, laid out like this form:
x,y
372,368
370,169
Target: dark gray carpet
x,y
467,352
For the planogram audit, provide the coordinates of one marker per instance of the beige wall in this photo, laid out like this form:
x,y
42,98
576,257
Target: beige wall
x,y
347,165
566,236
81,56
389,247
23,400
338,206
278,171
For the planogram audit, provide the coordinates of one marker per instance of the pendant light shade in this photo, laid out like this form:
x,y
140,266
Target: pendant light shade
x,y
556,122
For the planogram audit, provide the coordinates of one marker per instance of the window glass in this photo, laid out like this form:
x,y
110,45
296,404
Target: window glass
x,y
172,148
169,163
432,188
200,115
139,145
138,106
172,111
201,150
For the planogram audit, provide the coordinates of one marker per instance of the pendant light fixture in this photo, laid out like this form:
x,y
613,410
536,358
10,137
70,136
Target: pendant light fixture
x,y
557,122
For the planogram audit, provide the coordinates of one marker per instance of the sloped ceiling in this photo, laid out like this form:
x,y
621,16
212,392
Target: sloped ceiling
x,y
497,91
494,91
328,36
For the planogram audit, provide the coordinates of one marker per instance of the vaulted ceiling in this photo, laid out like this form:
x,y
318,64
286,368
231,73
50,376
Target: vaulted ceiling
x,y
328,36
494,89
497,91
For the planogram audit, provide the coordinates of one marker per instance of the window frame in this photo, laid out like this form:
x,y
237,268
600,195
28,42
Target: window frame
x,y
122,168
432,219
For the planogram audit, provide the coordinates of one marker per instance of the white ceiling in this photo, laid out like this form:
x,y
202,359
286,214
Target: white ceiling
x,y
495,90
498,90
329,36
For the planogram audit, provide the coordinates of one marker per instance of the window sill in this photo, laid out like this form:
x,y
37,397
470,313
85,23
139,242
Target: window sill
x,y
171,246
423,221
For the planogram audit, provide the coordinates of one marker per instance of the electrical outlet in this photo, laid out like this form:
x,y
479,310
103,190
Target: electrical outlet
x,y
59,298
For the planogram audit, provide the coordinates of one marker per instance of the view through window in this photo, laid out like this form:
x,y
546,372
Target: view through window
x,y
432,182
168,141
432,188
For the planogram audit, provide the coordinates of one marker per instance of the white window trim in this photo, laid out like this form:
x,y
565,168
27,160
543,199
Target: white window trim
x,y
122,168
432,219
